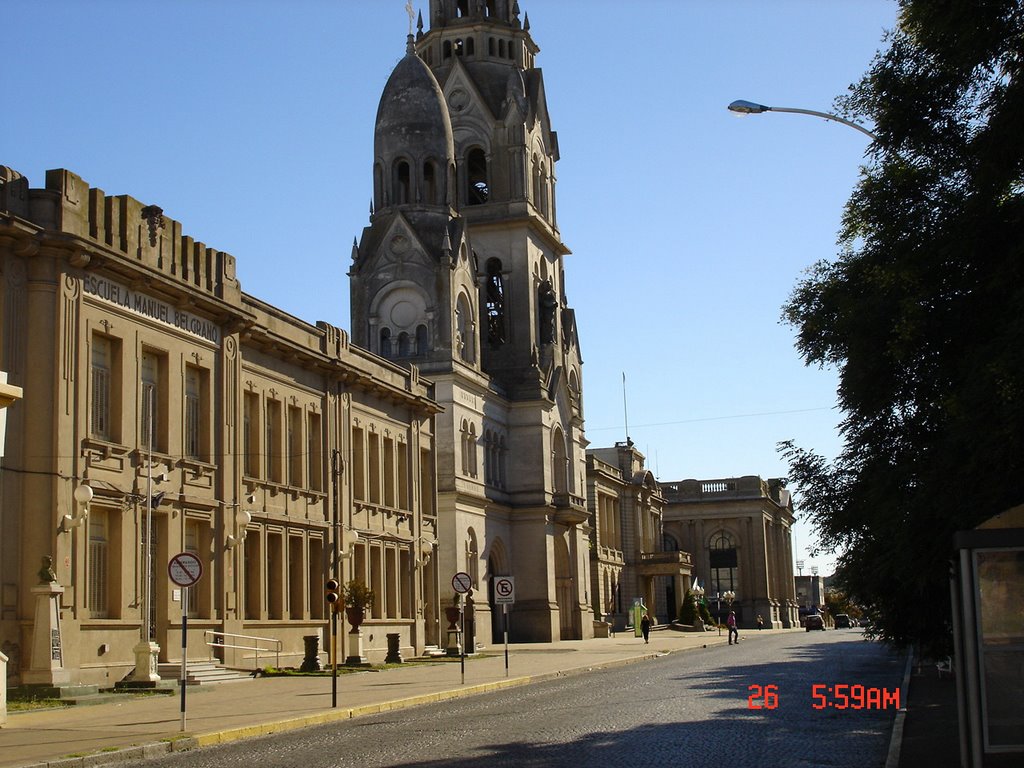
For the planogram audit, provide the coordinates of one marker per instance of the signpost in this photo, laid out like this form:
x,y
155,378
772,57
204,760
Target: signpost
x,y
185,569
505,595
462,583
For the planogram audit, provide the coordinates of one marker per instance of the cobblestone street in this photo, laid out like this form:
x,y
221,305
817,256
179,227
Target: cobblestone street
x,y
752,704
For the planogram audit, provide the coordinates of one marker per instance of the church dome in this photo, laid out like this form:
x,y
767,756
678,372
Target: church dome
x,y
412,118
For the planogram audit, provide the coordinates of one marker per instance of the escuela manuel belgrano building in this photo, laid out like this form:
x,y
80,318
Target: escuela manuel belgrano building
x,y
145,367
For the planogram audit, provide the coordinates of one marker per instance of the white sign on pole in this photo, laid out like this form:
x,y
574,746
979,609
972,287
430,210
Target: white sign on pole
x,y
185,569
504,589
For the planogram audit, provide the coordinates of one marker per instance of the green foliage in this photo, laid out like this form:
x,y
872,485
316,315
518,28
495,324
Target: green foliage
x,y
921,315
356,594
705,613
688,610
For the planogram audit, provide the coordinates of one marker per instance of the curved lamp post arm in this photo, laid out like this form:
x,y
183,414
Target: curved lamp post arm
x,y
750,108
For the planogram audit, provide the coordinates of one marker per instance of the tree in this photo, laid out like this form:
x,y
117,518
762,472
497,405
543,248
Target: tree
x,y
688,609
922,314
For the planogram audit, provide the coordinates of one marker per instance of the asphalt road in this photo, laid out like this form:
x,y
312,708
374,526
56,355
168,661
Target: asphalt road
x,y
751,704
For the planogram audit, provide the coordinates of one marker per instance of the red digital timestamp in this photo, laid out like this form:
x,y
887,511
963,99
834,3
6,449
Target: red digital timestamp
x,y
840,696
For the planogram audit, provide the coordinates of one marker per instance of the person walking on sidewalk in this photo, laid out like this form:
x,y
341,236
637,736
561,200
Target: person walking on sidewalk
x,y
645,627
733,631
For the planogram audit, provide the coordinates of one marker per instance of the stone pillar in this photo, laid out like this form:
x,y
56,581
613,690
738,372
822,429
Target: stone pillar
x,y
47,667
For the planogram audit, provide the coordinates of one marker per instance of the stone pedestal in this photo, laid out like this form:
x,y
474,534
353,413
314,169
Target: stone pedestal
x,y
454,643
311,657
146,664
355,656
47,667
394,649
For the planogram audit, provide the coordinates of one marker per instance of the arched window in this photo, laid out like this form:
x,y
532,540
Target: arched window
x,y
490,46
459,47
447,49
472,451
502,452
462,9
385,342
501,49
494,304
403,344
724,564
430,195
547,304
421,341
479,191
464,447
402,186
559,462
464,331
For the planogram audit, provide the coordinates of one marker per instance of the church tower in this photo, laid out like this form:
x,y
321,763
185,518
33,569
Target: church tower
x,y
460,272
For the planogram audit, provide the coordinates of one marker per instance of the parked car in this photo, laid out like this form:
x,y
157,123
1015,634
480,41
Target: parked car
x,y
814,621
843,621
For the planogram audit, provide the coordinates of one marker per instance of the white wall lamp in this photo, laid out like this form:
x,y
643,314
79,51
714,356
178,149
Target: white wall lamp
x,y
353,537
242,519
426,551
83,495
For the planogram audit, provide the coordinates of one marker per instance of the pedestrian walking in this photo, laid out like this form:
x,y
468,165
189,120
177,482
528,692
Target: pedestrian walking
x,y
733,632
645,627
760,622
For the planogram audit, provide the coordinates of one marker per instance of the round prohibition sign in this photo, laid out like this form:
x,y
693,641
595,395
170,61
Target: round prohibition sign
x,y
503,587
461,582
185,569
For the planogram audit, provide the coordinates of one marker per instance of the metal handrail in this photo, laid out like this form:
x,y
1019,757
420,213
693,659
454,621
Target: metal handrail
x,y
224,635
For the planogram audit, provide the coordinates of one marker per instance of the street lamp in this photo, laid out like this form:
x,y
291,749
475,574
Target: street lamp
x,y
742,107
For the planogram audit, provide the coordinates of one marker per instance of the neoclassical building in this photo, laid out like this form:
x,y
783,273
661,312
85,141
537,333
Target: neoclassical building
x,y
738,531
630,556
460,271
165,411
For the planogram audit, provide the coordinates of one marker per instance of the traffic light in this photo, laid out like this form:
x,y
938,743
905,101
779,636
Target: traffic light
x,y
332,596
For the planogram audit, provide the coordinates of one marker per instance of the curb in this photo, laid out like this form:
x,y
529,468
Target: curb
x,y
892,759
186,743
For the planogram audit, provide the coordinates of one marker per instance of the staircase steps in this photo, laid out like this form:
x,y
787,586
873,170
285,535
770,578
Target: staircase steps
x,y
203,673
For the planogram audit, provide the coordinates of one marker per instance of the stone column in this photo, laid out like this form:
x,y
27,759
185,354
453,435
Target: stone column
x,y
47,667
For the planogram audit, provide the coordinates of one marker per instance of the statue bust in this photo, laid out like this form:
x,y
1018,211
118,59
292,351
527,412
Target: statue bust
x,y
46,573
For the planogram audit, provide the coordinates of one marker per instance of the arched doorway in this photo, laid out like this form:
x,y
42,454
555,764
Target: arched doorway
x,y
565,593
497,565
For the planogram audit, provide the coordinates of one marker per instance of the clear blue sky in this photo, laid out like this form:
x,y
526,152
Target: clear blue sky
x,y
252,124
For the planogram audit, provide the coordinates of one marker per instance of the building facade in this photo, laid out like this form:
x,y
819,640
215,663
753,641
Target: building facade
x,y
739,533
460,271
629,557
166,411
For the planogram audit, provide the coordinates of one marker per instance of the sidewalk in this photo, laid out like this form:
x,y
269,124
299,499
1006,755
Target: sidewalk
x,y
148,726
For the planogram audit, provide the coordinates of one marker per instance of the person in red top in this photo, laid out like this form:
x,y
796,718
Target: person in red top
x,y
733,631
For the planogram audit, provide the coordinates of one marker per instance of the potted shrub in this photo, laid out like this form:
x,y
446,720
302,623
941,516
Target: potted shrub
x,y
358,598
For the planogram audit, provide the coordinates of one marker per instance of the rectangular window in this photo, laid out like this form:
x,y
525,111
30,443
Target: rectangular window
x,y
98,565
373,467
358,465
275,575
315,453
250,434
403,476
192,534
296,575
295,443
272,448
253,558
193,413
391,582
389,472
149,428
316,593
101,410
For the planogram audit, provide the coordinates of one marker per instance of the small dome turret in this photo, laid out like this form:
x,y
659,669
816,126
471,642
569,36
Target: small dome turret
x,y
414,152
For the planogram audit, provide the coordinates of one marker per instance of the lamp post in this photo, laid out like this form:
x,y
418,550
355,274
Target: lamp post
x,y
742,107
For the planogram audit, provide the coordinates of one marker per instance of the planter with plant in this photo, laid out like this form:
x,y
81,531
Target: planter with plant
x,y
358,599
